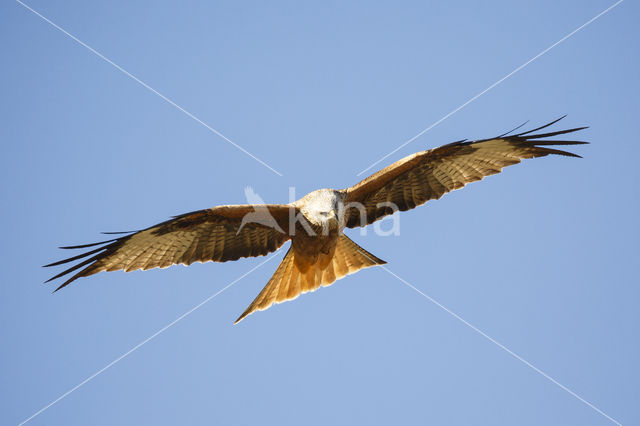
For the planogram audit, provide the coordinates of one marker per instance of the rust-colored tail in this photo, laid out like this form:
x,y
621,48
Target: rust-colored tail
x,y
288,282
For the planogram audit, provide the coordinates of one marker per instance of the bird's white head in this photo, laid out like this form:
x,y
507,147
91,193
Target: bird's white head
x,y
323,207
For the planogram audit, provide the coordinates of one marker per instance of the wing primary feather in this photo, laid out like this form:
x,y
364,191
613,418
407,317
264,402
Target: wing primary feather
x,y
73,268
541,127
513,130
89,245
546,151
119,232
545,143
98,254
550,134
71,259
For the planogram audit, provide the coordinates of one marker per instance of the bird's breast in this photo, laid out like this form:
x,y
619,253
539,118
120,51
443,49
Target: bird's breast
x,y
310,248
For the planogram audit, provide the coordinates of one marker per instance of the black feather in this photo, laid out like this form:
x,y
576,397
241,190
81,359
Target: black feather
x,y
513,130
88,245
71,259
541,127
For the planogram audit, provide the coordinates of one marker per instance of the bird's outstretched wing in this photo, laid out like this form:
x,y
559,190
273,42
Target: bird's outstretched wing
x,y
430,174
218,234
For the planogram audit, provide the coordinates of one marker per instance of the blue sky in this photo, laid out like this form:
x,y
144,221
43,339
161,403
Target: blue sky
x,y
543,258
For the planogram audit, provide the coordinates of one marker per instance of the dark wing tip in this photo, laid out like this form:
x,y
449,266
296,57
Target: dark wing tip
x,y
67,282
514,129
559,152
539,141
541,127
88,245
118,232
89,259
71,259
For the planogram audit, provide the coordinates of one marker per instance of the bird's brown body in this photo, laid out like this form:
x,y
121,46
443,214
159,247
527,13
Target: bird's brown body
x,y
310,250
320,253
315,237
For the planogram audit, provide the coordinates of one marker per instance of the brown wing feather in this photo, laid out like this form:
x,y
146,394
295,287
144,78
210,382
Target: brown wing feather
x,y
430,174
216,234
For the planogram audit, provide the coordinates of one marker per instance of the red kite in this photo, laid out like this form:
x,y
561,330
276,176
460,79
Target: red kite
x,y
319,253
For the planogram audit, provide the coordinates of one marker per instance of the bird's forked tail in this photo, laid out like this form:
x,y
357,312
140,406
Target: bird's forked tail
x,y
288,282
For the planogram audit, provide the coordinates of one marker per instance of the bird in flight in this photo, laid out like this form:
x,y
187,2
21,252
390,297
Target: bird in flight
x,y
319,253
